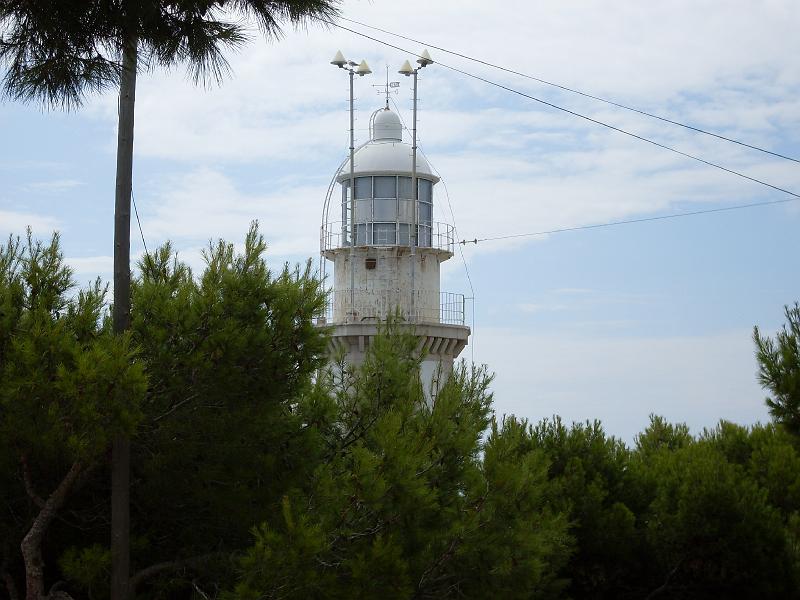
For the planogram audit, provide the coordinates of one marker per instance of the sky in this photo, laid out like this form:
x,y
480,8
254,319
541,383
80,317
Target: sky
x,y
612,323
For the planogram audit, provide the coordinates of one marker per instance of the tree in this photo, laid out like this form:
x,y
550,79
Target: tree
x,y
411,503
712,531
68,387
225,423
590,475
58,51
231,406
779,370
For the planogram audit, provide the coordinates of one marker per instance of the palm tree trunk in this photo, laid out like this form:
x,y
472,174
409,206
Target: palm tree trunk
x,y
121,453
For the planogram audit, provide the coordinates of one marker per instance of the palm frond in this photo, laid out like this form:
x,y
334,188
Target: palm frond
x,y
60,51
269,15
55,52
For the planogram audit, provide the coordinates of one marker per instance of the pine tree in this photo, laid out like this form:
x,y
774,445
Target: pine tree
x,y
779,370
411,502
68,387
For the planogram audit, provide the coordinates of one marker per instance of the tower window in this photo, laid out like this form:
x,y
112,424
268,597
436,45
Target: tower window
x,y
385,187
425,190
370,263
425,212
405,187
385,209
363,187
384,233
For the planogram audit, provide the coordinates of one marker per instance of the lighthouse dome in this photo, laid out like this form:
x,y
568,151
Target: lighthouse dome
x,y
386,153
386,125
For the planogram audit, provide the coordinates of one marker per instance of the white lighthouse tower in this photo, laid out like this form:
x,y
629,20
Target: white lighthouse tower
x,y
382,264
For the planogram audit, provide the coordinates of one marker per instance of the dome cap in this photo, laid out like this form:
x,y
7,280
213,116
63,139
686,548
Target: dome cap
x,y
386,125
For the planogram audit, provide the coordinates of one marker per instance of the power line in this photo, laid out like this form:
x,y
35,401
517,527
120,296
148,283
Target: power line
x,y
455,229
447,195
575,114
629,221
575,91
136,212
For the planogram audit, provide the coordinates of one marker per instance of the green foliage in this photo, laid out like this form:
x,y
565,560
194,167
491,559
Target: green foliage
x,y
261,469
589,471
779,370
69,385
405,505
712,530
662,435
230,357
89,567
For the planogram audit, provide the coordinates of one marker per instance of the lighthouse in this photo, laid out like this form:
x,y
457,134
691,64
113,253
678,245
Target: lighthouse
x,y
386,247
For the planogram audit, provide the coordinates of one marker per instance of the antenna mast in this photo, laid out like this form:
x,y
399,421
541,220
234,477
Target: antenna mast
x,y
387,88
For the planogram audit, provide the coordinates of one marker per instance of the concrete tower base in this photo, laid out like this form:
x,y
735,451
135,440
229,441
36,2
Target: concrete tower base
x,y
439,343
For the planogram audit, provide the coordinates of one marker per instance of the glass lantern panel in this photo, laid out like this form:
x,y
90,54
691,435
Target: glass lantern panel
x,y
345,201
385,209
361,235
363,187
403,234
424,238
384,233
404,185
406,210
425,212
363,210
385,187
425,190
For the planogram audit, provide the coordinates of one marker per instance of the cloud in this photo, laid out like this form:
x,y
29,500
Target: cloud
x,y
91,265
54,186
12,222
513,166
264,144
205,204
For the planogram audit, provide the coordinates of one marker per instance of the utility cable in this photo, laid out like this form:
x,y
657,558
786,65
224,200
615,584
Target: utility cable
x,y
133,200
576,114
629,221
574,91
455,227
446,192
136,212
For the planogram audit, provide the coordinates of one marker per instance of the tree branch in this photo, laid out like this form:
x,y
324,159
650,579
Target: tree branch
x,y
664,586
174,408
11,585
199,591
28,481
31,545
170,565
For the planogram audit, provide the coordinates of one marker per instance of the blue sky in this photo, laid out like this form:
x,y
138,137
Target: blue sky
x,y
611,323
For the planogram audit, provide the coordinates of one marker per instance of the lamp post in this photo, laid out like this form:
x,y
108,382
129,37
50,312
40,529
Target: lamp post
x,y
352,69
424,60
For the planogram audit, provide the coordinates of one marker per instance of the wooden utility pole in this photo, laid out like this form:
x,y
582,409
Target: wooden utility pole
x,y
121,450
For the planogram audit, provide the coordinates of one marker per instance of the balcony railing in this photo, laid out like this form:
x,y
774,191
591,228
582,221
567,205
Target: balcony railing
x,y
451,309
335,234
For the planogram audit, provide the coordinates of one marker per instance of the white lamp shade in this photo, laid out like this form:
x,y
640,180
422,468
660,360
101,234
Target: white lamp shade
x,y
363,68
339,60
425,59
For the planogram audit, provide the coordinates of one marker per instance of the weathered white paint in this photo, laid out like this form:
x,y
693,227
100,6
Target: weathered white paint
x,y
381,274
386,289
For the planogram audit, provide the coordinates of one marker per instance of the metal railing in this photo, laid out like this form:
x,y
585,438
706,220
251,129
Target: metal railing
x,y
438,235
379,306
